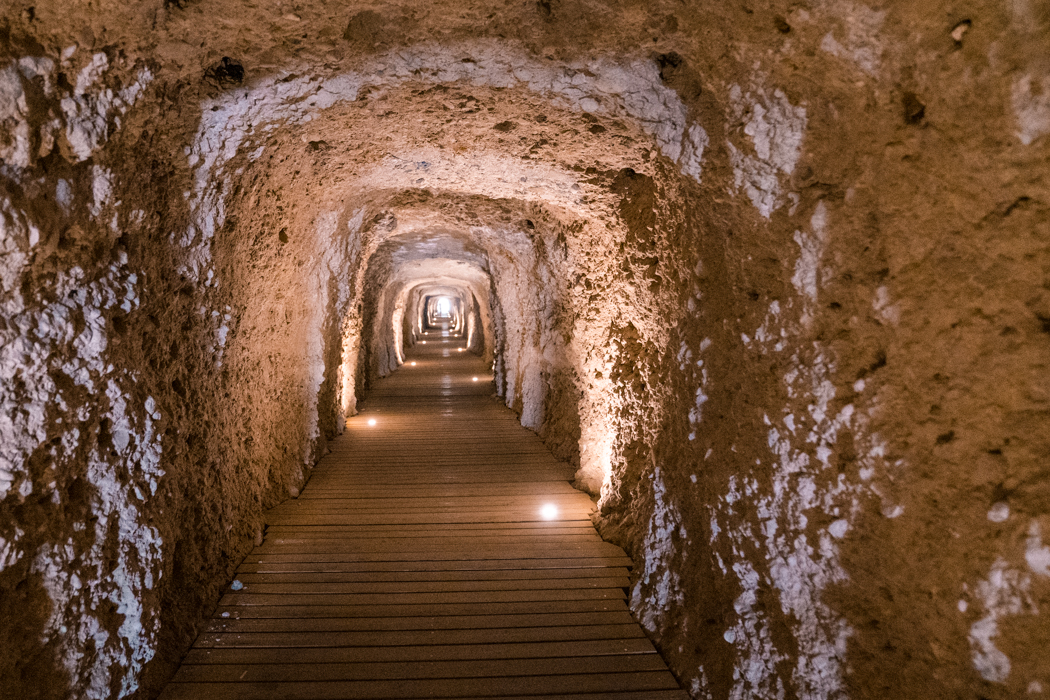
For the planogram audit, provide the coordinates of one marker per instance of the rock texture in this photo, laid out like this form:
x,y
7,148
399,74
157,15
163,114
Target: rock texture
x,y
775,277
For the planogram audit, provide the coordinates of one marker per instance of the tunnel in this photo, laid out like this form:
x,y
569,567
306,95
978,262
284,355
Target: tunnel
x,y
772,278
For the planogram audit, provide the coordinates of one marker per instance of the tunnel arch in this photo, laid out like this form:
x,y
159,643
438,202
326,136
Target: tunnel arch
x,y
281,244
282,229
733,262
471,313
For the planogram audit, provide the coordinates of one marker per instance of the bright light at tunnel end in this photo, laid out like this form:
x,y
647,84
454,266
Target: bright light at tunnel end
x,y
549,511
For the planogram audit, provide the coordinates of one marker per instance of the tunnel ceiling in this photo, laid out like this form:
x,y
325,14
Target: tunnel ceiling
x,y
438,138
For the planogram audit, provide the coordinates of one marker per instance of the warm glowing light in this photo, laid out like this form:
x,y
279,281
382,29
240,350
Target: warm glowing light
x,y
413,364
371,421
549,511
423,341
475,379
444,306
459,349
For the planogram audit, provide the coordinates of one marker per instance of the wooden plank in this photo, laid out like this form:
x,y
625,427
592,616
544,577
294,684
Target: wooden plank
x,y
522,469
424,530
277,564
437,513
431,531
426,491
390,587
276,673
461,454
419,557
433,622
492,478
430,688
247,598
425,515
191,690
415,493
282,545
573,551
345,517
489,539
419,654
529,558
399,638
528,607
321,499
379,576
453,478
528,547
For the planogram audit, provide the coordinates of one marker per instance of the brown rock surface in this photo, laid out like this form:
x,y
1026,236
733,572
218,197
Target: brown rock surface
x,y
775,277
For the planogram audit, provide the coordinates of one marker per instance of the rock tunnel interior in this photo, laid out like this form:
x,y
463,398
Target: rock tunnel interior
x,y
790,330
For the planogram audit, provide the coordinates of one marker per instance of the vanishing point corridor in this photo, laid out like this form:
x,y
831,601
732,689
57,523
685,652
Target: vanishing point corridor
x,y
438,552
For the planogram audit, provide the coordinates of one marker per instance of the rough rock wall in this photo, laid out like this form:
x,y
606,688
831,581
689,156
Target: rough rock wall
x,y
842,474
141,432
776,276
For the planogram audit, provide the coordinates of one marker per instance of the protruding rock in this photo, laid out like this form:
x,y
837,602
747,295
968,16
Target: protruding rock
x,y
364,28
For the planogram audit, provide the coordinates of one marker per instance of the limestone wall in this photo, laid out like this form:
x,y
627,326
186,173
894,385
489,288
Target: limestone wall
x,y
775,278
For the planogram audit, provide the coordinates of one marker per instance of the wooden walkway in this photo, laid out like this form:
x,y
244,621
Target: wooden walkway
x,y
438,552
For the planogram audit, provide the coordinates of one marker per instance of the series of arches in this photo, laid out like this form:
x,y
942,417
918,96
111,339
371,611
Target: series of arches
x,y
694,267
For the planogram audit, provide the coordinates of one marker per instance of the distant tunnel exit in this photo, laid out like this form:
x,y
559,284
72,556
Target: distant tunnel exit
x,y
443,312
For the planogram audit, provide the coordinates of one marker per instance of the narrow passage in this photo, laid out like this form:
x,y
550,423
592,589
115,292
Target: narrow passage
x,y
438,552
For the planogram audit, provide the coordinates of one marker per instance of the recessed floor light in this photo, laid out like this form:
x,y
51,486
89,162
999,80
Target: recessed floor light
x,y
371,421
